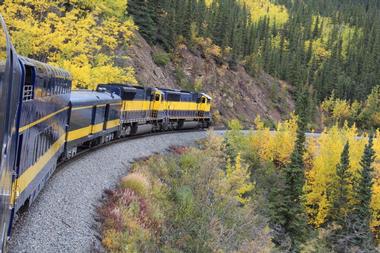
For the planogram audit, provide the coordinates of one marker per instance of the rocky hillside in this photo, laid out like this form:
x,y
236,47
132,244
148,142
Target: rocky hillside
x,y
236,94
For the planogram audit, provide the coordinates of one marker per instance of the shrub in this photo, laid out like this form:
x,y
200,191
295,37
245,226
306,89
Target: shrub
x,y
161,59
137,183
189,205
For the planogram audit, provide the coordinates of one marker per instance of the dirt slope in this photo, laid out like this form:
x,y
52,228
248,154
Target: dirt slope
x,y
236,94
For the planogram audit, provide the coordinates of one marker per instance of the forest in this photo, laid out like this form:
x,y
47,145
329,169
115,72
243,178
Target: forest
x,y
326,47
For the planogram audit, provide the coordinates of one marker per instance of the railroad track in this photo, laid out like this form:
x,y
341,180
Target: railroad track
x,y
124,139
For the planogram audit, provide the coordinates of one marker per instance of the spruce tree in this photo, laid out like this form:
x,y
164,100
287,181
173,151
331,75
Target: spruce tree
x,y
360,233
338,238
341,192
143,15
294,177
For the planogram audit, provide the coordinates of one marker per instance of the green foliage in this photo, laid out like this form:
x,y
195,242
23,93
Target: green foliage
x,y
294,177
142,12
161,59
234,140
360,215
181,78
340,195
370,115
338,231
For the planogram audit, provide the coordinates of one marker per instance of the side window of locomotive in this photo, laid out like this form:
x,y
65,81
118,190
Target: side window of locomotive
x,y
129,96
203,100
158,97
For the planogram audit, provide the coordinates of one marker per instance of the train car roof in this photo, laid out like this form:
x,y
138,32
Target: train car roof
x,y
47,69
87,97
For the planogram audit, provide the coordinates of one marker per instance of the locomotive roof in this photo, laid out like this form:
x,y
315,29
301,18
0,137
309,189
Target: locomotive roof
x,y
124,85
127,87
207,96
87,97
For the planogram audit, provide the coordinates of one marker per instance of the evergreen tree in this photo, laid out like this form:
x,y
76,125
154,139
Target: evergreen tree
x,y
340,195
143,15
293,213
360,233
339,234
294,177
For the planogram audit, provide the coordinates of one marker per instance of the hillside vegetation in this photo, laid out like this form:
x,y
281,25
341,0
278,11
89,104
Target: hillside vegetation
x,y
235,93
190,200
80,36
238,194
98,42
319,46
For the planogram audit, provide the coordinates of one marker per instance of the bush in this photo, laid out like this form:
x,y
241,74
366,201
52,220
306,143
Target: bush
x,y
191,206
137,183
161,59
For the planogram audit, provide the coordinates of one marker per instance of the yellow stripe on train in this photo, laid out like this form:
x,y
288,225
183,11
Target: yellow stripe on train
x,y
113,123
91,129
22,129
29,175
136,105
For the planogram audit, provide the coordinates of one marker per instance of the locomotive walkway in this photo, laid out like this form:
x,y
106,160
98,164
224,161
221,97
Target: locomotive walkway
x,y
62,217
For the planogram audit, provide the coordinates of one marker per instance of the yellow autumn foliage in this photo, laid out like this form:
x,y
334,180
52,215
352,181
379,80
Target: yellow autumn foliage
x,y
79,35
321,158
275,146
376,187
263,8
322,175
238,180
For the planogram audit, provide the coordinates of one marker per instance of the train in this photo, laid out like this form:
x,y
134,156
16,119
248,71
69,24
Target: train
x,y
44,121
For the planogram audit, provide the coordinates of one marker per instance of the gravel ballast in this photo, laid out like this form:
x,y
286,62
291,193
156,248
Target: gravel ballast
x,y
62,217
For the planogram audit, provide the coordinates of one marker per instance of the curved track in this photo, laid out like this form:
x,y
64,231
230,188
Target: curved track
x,y
62,217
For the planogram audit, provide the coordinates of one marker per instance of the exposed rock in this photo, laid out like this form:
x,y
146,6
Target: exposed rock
x,y
236,94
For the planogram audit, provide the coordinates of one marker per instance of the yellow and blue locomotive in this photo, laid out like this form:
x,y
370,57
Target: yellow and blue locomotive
x,y
43,121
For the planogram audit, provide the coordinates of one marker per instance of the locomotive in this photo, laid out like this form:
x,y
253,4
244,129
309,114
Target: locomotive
x,y
43,121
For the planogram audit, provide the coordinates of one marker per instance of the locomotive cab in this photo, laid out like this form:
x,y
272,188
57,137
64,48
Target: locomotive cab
x,y
204,105
157,105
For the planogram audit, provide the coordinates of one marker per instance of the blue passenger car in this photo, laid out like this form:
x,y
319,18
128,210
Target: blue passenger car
x,y
94,119
42,123
10,74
